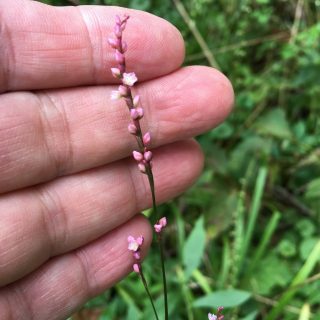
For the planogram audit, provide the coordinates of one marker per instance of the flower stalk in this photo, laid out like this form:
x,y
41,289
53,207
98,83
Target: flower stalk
x,y
143,155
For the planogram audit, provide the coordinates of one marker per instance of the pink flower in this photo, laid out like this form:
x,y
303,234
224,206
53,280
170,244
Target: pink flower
x,y
146,138
147,156
135,244
119,57
136,268
160,225
113,43
136,113
129,79
211,316
116,72
137,156
132,128
136,100
142,168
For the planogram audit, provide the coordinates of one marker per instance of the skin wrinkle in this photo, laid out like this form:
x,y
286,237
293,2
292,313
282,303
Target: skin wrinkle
x,y
95,67
7,53
64,161
82,259
52,208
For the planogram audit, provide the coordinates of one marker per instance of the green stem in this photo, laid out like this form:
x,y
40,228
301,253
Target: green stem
x,y
164,278
148,292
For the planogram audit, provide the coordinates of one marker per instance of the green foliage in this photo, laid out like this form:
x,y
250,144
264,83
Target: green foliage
x,y
193,249
259,194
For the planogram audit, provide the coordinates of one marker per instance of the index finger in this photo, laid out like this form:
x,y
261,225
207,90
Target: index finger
x,y
53,47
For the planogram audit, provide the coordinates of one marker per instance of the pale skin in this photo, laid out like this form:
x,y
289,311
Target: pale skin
x,y
70,192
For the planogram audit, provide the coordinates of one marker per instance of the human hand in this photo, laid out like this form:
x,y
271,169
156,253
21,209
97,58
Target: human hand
x,y
69,194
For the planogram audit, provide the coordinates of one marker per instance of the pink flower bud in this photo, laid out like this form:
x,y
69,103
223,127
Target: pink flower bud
x,y
116,72
140,112
147,156
136,268
132,128
163,221
137,156
140,240
119,57
134,114
142,167
136,100
124,46
123,90
137,255
146,138
117,31
157,228
113,43
118,19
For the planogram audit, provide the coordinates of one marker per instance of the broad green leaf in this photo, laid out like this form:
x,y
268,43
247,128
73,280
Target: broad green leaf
x,y
194,248
313,189
275,124
225,298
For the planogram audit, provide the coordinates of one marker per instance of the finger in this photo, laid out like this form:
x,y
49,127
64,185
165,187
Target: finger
x,y
59,287
50,47
67,131
71,211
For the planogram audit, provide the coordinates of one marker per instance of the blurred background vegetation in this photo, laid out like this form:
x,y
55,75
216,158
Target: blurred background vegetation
x,y
247,235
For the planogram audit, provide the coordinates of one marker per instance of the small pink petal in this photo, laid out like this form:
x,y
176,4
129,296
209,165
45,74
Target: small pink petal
x,y
146,138
129,79
116,72
163,221
124,46
119,56
140,112
134,114
131,238
142,167
133,246
147,156
136,100
136,268
117,31
140,240
124,91
137,255
132,128
118,19
137,156
113,43
157,228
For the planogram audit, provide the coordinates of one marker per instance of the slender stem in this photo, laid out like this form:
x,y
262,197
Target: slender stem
x,y
148,292
160,243
164,279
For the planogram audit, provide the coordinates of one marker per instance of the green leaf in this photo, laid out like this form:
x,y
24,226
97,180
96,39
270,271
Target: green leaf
x,y
225,298
194,248
275,124
313,189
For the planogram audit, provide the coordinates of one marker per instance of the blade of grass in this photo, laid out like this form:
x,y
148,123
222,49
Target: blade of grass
x,y
299,278
187,295
266,237
201,281
225,269
254,211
